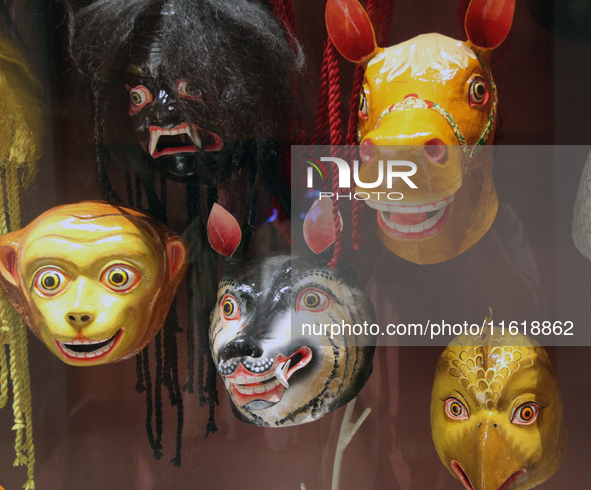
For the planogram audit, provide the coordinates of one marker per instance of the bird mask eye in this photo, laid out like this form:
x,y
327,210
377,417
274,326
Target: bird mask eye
x,y
526,414
455,409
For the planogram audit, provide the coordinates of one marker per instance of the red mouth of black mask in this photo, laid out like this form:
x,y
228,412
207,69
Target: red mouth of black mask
x,y
183,138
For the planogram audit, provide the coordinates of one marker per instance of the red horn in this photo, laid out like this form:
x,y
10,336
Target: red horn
x,y
319,229
488,22
223,231
350,30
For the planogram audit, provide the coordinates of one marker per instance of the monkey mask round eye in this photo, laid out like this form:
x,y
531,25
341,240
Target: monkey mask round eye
x,y
94,281
496,413
268,342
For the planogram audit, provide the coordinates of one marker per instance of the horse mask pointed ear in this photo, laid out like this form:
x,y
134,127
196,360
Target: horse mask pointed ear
x,y
350,30
488,23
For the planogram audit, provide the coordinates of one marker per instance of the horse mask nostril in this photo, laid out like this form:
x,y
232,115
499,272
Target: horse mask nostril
x,y
435,150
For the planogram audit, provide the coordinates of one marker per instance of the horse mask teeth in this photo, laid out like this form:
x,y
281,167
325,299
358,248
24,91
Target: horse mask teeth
x,y
432,101
281,377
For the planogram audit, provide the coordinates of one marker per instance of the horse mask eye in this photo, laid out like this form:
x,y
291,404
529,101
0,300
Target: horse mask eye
x,y
479,92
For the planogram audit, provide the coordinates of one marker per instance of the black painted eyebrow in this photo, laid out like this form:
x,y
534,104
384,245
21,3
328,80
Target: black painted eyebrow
x,y
322,288
467,404
238,295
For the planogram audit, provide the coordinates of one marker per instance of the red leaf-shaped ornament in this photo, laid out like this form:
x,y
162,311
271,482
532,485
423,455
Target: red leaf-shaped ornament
x,y
223,231
350,30
319,229
488,22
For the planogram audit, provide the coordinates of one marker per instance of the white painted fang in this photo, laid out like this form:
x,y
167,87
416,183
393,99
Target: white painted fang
x,y
281,371
153,141
194,137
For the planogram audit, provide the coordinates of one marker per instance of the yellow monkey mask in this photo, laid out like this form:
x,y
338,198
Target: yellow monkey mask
x,y
94,280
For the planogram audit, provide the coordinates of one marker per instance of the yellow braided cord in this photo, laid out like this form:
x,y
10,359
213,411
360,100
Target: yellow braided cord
x,y
25,399
7,320
12,190
14,210
3,367
19,423
21,138
3,225
4,319
14,333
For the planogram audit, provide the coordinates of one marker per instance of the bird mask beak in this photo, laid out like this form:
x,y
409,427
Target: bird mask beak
x,y
492,462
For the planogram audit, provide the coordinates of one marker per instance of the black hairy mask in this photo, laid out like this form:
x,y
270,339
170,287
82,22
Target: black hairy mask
x,y
185,86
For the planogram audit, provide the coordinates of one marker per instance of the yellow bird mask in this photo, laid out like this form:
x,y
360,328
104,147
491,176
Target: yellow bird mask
x,y
496,413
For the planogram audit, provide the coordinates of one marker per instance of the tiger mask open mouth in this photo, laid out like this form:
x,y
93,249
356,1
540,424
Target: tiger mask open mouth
x,y
259,383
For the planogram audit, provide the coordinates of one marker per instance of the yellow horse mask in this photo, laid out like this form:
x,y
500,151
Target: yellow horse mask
x,y
437,96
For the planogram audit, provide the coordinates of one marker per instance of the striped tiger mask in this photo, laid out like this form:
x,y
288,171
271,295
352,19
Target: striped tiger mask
x,y
269,344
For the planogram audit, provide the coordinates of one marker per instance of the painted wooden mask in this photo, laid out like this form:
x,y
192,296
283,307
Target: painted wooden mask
x,y
275,376
496,413
436,95
581,225
188,85
93,280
